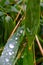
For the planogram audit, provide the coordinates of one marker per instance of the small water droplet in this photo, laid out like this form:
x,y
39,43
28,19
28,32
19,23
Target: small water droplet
x,y
21,31
11,45
7,60
16,38
10,53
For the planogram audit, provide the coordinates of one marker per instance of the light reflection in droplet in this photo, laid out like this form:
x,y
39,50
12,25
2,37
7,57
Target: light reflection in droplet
x,y
10,53
7,60
16,38
11,45
21,31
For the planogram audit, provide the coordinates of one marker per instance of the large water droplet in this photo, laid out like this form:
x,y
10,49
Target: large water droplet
x,y
11,45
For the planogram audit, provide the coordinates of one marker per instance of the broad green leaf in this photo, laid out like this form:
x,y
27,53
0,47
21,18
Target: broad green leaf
x,y
10,51
31,24
32,16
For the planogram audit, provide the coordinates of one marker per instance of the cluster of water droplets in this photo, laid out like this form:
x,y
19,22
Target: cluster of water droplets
x,y
11,48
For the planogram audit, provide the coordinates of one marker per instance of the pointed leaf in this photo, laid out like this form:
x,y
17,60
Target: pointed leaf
x,y
10,51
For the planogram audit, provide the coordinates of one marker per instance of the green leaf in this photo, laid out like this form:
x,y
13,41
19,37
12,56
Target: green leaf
x,y
28,56
9,26
32,19
10,51
32,16
31,25
2,2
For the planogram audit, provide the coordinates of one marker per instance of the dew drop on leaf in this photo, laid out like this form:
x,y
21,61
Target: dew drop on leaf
x,y
16,38
10,53
21,31
11,45
7,60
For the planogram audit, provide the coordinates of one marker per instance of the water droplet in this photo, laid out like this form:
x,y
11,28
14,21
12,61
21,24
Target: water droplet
x,y
7,60
16,38
11,45
10,53
21,31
